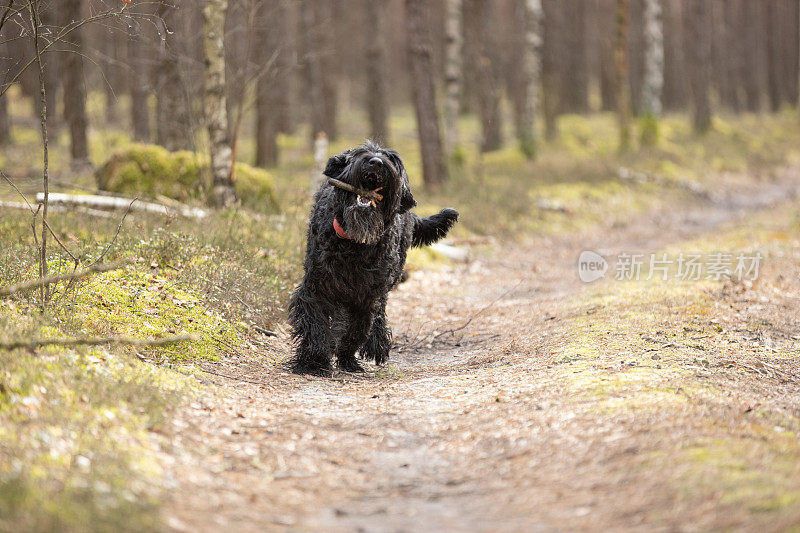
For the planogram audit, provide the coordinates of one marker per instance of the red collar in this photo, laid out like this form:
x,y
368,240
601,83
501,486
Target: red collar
x,y
340,230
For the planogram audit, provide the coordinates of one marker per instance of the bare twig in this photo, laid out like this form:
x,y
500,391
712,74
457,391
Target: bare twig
x,y
96,341
476,314
37,283
114,239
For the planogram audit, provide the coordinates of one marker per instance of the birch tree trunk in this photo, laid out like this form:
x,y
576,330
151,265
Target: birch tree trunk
x,y
622,82
73,79
424,93
215,108
698,48
453,68
531,76
377,104
653,70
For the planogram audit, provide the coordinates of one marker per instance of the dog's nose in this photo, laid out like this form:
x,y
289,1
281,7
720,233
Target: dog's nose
x,y
375,162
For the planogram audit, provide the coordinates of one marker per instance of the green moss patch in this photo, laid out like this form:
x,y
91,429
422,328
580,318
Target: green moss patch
x,y
143,304
146,169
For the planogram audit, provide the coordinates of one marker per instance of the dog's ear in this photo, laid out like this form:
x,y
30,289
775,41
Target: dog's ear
x,y
336,164
407,200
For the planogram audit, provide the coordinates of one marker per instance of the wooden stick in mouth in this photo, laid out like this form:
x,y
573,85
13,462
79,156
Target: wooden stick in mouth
x,y
374,196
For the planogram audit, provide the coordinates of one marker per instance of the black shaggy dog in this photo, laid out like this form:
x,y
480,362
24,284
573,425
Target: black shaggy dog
x,y
355,255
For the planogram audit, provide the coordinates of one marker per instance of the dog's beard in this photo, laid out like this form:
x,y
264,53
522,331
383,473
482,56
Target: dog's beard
x,y
364,224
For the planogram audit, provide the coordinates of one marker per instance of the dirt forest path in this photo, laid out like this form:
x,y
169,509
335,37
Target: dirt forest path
x,y
477,423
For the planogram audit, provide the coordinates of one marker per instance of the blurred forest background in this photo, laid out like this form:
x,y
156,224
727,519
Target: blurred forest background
x,y
306,67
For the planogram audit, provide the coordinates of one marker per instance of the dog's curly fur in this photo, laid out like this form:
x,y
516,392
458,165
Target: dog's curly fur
x,y
340,306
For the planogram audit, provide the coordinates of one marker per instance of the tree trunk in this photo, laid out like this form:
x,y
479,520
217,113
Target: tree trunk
x,y
173,123
114,79
699,49
732,53
532,76
485,59
635,54
675,92
138,87
325,51
75,96
575,88
605,12
653,82
267,89
551,58
773,53
753,75
424,93
312,68
622,83
377,104
653,58
454,41
215,109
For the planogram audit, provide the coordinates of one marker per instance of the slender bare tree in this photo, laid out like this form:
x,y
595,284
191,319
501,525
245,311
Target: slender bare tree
x,y
5,119
531,67
424,93
377,103
453,70
215,109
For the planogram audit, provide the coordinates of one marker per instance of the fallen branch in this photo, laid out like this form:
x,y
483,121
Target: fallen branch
x,y
36,283
59,209
96,341
116,202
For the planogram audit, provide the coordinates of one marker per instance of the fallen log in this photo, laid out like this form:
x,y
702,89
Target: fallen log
x,y
117,202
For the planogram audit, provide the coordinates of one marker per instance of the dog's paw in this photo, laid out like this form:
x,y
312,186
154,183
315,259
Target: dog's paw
x,y
321,370
350,365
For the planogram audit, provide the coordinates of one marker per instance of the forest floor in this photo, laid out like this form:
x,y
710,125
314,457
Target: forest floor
x,y
520,398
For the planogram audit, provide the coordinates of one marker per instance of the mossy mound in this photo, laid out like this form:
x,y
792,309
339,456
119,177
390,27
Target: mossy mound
x,y
151,170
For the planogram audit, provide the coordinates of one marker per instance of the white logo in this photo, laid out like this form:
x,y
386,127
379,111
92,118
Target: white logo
x,y
591,266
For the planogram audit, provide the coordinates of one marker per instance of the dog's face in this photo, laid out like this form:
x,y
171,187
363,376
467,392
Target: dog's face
x,y
369,167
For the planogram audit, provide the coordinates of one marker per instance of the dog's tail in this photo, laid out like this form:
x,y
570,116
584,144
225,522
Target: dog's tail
x,y
430,229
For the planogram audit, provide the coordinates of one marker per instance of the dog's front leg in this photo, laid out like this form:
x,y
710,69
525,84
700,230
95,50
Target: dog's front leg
x,y
380,337
359,322
310,319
